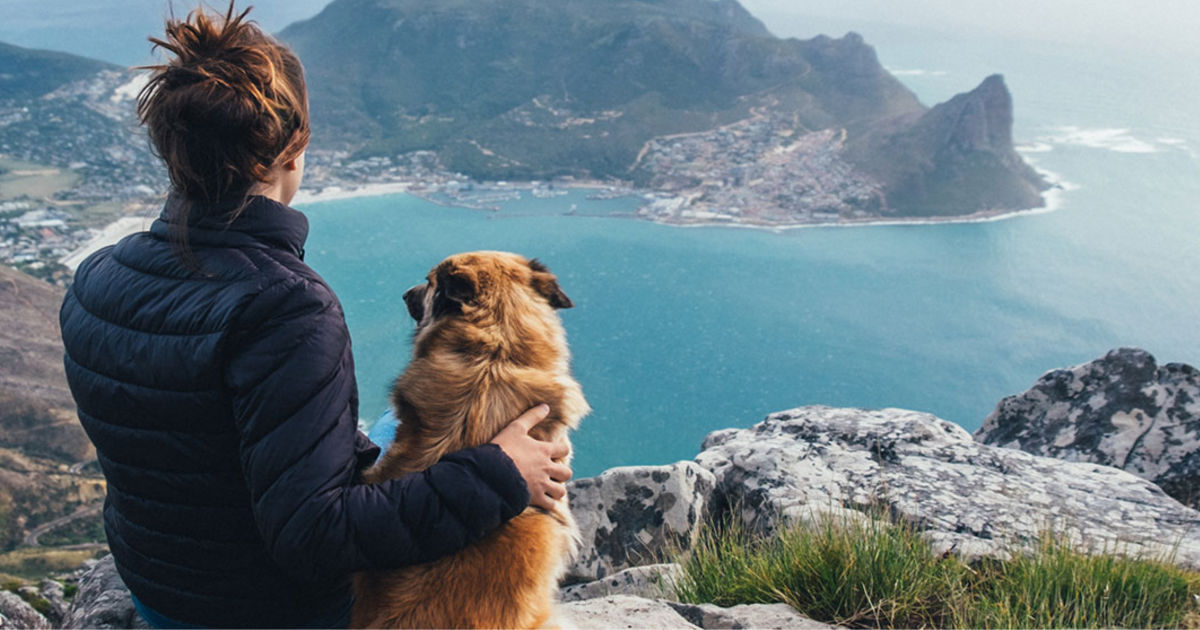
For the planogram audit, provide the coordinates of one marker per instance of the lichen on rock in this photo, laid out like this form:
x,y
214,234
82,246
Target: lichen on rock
x,y
1121,410
633,515
965,496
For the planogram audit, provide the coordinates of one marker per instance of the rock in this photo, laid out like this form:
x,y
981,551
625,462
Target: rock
x,y
1121,410
15,613
633,515
929,472
621,611
625,611
54,593
762,616
654,581
103,601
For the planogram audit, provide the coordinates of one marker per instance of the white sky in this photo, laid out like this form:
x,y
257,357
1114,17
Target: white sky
x,y
1151,25
105,28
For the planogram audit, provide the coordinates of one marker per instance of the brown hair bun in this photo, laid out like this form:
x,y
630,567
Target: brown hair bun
x,y
228,106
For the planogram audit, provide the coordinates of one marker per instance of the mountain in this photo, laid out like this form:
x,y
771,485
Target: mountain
x,y
117,30
530,89
958,156
31,362
29,73
566,87
70,112
43,448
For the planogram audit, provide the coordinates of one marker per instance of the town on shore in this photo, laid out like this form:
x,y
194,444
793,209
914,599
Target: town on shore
x,y
72,186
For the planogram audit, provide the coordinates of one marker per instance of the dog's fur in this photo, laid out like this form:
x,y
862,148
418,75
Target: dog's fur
x,y
488,347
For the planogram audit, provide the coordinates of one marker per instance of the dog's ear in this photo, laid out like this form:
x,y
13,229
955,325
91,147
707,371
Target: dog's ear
x,y
456,284
546,285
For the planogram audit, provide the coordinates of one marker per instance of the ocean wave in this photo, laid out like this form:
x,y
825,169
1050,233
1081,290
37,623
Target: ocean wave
x,y
1114,139
1180,144
1035,147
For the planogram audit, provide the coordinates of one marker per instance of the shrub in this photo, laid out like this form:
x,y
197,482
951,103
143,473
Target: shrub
x,y
872,573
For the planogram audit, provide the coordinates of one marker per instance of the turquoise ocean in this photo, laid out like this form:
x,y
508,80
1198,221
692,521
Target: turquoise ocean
x,y
681,331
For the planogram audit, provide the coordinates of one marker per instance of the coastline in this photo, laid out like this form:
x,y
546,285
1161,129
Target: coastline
x,y
125,226
1053,197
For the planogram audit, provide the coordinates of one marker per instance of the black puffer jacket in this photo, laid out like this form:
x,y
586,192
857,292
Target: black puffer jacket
x,y
223,406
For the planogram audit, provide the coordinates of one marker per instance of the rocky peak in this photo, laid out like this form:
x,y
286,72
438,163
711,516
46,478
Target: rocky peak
x,y
955,158
979,120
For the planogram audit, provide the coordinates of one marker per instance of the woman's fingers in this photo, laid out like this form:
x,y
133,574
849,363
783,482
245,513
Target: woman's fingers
x,y
560,473
540,463
557,491
559,449
529,419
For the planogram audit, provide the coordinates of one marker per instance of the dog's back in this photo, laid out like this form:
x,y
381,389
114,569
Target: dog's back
x,y
496,350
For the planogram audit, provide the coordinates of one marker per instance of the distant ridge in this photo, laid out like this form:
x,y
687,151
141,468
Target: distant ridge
x,y
30,73
534,89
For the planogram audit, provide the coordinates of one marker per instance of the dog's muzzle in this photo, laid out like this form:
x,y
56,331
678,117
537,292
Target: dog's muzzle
x,y
414,299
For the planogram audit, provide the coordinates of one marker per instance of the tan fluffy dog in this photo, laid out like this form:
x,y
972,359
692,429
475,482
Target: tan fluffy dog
x,y
488,347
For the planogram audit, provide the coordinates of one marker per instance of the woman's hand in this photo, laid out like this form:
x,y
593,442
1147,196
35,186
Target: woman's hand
x,y
535,459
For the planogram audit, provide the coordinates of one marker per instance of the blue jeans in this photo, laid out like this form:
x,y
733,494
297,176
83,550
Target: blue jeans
x,y
157,620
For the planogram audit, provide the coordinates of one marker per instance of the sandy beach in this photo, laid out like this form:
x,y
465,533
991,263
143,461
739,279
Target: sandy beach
x,y
125,226
111,233
335,193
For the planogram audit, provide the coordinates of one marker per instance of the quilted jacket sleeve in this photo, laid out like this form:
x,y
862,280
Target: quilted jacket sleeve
x,y
292,380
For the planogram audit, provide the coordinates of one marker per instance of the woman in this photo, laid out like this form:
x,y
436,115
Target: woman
x,y
212,370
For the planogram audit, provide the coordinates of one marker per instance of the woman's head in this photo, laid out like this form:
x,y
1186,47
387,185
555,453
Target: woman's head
x,y
227,109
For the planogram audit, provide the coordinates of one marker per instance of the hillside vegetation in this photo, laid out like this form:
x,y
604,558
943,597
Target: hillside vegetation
x,y
530,89
44,452
572,87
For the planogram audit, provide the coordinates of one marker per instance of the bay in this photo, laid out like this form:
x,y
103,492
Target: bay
x,y
681,331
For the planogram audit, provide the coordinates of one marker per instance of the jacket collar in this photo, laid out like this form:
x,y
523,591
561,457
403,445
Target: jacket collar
x,y
263,222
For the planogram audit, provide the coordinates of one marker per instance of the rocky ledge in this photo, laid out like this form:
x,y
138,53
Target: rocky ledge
x,y
967,497
1121,410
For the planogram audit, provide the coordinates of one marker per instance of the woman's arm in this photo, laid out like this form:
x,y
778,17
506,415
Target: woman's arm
x,y
291,376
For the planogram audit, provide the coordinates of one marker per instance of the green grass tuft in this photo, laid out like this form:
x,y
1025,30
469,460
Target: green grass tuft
x,y
871,573
1057,587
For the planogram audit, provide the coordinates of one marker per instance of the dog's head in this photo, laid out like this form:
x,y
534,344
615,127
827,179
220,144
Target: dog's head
x,y
483,281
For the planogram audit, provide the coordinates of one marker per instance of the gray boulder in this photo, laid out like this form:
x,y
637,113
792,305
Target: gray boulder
x,y
16,613
621,611
1122,410
966,496
760,616
633,515
54,593
627,611
103,600
653,581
